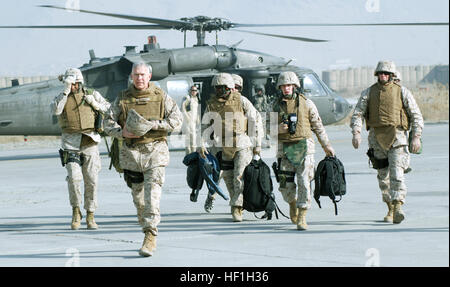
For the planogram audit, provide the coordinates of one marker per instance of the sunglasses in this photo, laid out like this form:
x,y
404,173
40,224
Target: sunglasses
x,y
384,73
222,88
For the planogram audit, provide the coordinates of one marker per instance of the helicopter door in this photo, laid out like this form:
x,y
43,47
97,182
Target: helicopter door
x,y
178,89
313,90
204,85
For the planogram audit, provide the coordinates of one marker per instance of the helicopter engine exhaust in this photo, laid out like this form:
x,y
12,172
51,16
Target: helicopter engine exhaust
x,y
201,58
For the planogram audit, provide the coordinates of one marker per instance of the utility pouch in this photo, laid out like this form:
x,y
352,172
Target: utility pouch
x,y
377,163
70,156
224,164
62,158
285,177
132,177
114,154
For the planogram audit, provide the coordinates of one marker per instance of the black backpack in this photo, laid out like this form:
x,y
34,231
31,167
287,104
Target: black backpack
x,y
199,170
193,177
258,189
329,180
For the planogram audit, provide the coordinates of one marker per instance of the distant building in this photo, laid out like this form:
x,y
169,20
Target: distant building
x,y
438,74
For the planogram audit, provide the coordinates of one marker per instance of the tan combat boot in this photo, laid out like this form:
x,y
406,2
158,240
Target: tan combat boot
x,y
301,220
236,213
76,218
149,245
390,215
399,215
209,203
90,221
293,211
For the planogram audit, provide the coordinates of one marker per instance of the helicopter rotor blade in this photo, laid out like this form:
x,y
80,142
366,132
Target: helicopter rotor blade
x,y
238,25
164,22
112,27
202,24
303,39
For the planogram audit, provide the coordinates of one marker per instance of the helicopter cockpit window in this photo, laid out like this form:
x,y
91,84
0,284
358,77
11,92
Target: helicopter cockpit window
x,y
312,87
177,89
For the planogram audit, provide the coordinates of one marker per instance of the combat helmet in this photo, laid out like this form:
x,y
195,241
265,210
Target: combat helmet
x,y
259,87
223,79
237,80
74,73
136,124
398,76
287,78
385,66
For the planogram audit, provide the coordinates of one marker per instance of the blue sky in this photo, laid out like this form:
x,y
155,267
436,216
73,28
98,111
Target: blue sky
x,y
49,52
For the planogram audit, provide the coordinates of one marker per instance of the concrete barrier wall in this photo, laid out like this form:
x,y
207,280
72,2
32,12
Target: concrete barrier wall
x,y
363,77
5,82
348,79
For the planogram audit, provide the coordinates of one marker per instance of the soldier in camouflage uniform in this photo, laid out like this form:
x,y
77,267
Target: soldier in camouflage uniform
x,y
389,110
77,108
397,77
263,107
191,119
296,146
261,103
238,83
233,139
142,116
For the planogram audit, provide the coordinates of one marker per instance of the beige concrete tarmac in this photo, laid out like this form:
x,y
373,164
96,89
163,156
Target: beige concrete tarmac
x,y
35,217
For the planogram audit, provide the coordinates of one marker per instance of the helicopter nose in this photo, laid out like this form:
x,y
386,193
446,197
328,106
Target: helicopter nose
x,y
342,108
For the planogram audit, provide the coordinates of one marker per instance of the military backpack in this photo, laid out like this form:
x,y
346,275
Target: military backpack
x,y
329,180
258,189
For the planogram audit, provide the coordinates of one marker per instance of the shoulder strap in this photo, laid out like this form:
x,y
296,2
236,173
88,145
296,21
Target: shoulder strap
x,y
248,177
329,179
332,166
318,180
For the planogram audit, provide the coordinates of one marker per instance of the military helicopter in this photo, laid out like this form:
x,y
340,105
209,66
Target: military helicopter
x,y
24,109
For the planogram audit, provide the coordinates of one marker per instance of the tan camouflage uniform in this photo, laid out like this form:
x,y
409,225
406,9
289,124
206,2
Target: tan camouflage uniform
x,y
150,159
261,103
244,154
92,163
304,172
191,120
391,179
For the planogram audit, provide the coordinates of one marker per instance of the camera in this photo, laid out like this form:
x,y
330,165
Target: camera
x,y
291,121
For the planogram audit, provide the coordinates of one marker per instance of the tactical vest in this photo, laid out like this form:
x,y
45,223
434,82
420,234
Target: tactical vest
x,y
297,106
77,116
385,107
232,105
148,103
